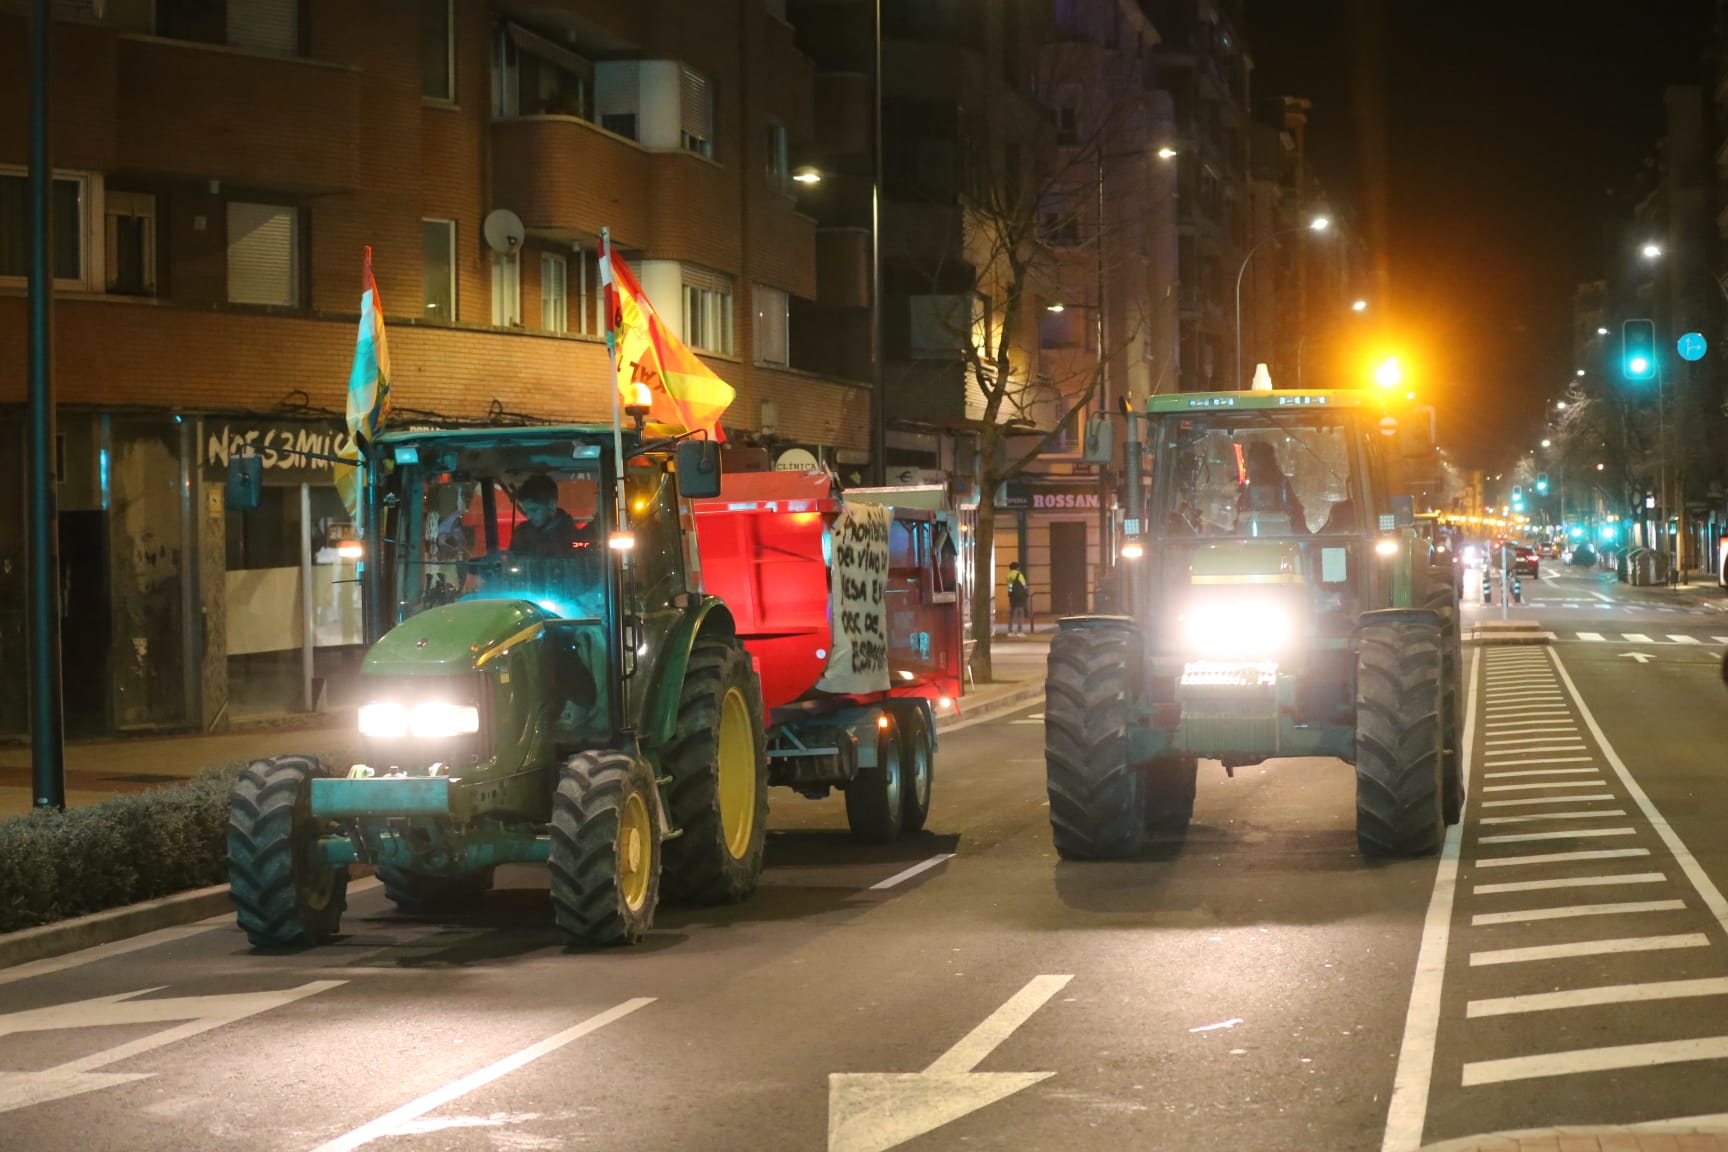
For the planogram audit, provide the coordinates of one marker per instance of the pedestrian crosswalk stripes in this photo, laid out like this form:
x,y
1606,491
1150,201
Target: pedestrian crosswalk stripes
x,y
1683,638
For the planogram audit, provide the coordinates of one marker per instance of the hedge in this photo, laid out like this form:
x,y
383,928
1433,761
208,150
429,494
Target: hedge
x,y
55,865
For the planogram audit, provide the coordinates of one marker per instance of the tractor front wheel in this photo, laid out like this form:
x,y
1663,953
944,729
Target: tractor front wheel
x,y
1097,809
605,859
284,896
1400,748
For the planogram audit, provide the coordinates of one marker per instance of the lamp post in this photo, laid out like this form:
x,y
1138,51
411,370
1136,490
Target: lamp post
x,y
1318,224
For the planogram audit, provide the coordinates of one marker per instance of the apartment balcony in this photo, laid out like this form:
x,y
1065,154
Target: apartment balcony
x,y
204,111
566,178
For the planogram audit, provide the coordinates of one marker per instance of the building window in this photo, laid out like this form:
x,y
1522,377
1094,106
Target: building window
x,y
697,131
537,77
1067,125
438,49
263,254
779,163
708,311
506,292
129,243
265,25
554,293
1058,222
770,329
68,199
438,270
939,326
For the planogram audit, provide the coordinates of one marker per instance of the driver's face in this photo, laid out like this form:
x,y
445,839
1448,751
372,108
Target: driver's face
x,y
537,513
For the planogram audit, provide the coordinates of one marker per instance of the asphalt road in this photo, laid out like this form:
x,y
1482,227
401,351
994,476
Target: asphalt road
x,y
1255,984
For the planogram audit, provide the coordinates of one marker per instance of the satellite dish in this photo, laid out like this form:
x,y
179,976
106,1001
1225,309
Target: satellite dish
x,y
503,231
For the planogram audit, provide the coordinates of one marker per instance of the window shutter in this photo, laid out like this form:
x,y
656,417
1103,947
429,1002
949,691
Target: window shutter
x,y
696,276
265,25
770,333
698,101
262,257
554,287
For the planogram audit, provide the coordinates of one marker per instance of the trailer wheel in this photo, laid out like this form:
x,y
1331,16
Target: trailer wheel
x,y
1096,806
918,767
1399,747
1443,598
605,858
1168,785
423,892
718,764
283,896
875,805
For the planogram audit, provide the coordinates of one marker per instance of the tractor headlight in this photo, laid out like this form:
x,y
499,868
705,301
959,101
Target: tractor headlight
x,y
1238,630
430,721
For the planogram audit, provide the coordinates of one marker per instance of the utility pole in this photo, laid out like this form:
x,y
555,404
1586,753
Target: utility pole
x,y
1103,402
42,572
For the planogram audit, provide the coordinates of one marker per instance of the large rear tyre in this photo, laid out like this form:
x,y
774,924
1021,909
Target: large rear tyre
x,y
875,798
422,892
718,764
284,896
1442,598
605,859
1097,811
917,766
1168,785
1399,746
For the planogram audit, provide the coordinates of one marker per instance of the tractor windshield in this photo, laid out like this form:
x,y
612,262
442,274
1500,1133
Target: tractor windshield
x,y
497,525
1253,474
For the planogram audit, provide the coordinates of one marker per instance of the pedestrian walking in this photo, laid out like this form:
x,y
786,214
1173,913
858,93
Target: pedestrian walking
x,y
1019,599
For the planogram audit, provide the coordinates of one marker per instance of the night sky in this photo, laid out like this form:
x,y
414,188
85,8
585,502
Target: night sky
x,y
1513,137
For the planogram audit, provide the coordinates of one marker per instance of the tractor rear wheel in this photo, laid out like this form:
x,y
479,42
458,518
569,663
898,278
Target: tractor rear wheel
x,y
424,892
605,859
1399,745
1168,786
875,798
1442,598
917,766
1096,806
718,764
284,896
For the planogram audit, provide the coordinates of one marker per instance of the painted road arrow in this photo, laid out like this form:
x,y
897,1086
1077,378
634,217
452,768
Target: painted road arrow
x,y
875,1111
1641,657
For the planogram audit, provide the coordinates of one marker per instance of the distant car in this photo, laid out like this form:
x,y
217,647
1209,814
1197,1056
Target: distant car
x,y
1525,562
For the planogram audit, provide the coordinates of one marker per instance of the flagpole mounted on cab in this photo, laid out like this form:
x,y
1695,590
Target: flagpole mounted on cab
x,y
623,539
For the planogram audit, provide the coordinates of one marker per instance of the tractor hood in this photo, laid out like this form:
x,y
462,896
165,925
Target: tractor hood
x,y
454,638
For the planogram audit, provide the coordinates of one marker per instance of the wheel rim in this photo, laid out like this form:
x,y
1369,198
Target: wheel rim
x,y
891,772
920,769
635,851
737,771
312,887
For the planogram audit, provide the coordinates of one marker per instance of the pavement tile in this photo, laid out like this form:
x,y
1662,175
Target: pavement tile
x,y
1620,1142
1701,1142
1580,1144
1658,1142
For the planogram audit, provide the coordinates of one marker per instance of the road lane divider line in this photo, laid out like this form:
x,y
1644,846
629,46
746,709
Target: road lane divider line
x,y
1597,996
1565,834
1577,948
1571,882
1592,636
1681,638
1562,857
1407,1111
1594,1060
1573,911
1547,800
386,1124
1702,883
1539,772
1539,787
1636,638
1590,815
1719,639
907,873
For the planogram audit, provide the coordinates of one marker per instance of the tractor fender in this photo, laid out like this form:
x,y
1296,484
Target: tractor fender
x,y
660,717
1399,616
1071,623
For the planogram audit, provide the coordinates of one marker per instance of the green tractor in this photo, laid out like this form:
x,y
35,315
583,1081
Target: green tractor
x,y
543,685
1280,602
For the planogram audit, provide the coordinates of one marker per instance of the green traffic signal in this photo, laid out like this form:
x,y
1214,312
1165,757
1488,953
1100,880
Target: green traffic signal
x,y
1638,349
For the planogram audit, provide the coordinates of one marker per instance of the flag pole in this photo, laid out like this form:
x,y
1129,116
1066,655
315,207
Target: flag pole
x,y
612,370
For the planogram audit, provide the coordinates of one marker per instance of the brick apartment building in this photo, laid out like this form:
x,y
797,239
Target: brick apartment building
x,y
219,166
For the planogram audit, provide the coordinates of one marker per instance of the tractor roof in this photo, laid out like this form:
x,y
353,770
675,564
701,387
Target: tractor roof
x,y
1202,401
488,433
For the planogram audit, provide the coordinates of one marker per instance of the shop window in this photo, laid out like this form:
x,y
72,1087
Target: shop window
x,y
770,329
69,206
263,254
438,270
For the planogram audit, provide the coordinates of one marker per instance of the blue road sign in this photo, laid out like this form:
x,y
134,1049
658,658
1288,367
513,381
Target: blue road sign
x,y
1692,346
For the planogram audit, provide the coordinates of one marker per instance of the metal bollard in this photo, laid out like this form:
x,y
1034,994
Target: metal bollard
x,y
1517,590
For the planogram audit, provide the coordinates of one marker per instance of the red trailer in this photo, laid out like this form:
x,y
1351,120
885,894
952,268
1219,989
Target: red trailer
x,y
850,604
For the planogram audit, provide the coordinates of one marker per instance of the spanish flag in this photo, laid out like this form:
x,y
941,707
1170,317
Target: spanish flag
x,y
368,390
682,390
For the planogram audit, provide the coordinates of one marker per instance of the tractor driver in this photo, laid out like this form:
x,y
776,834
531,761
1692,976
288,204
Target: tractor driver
x,y
1268,490
546,530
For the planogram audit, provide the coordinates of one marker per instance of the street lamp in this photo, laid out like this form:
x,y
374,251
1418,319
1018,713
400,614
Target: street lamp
x,y
1317,225
1166,153
1580,371
1651,251
1547,443
1388,374
1359,306
1601,331
1560,404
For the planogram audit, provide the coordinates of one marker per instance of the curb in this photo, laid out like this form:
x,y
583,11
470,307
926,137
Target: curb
x,y
82,932
1663,1134
985,709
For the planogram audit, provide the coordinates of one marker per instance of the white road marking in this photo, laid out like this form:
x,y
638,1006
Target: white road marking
x,y
1592,815
1590,636
1540,772
1506,742
1507,762
1720,639
1602,597
875,1111
1589,948
1562,857
1547,800
1535,724
1683,639
1539,787
387,1124
1509,679
1408,1109
1635,638
1537,710
118,948
1564,834
1601,994
1571,882
908,873
1569,911
1594,1060
1573,744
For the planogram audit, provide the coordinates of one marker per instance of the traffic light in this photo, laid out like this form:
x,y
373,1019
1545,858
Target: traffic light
x,y
1518,498
1638,349
1542,483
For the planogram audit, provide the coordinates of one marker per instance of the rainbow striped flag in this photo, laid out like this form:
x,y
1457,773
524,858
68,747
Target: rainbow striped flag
x,y
368,389
683,391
